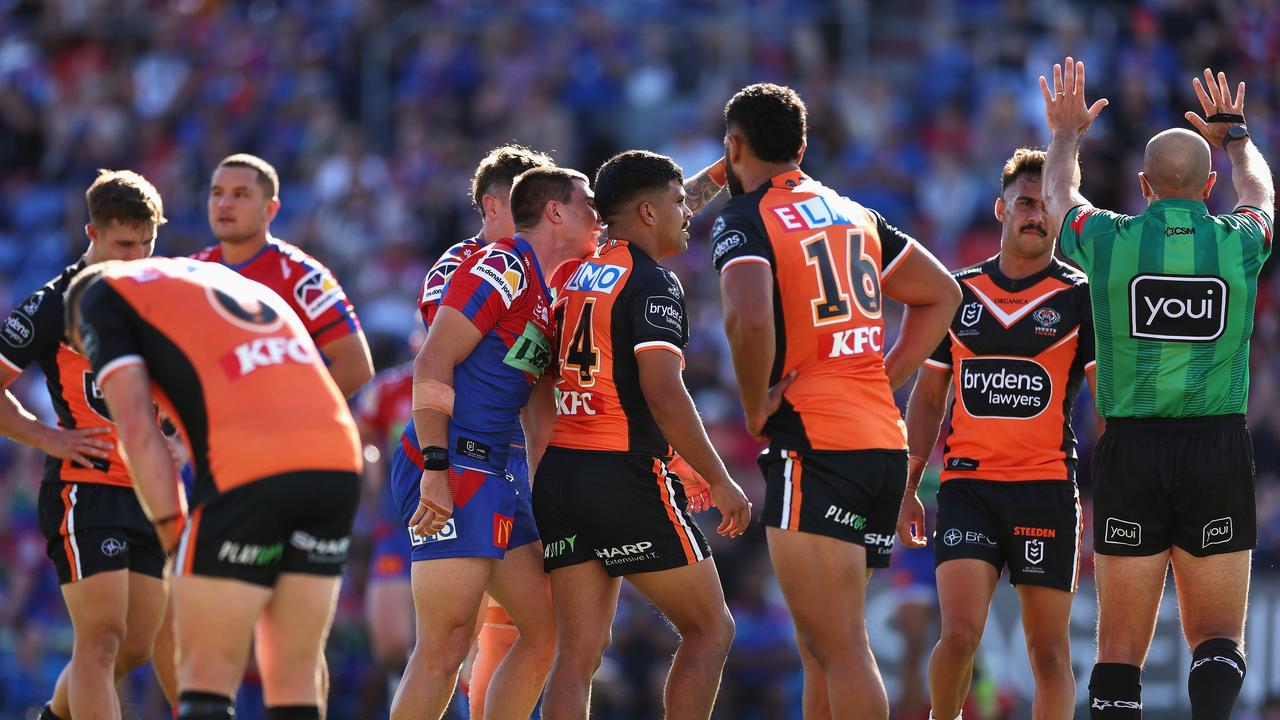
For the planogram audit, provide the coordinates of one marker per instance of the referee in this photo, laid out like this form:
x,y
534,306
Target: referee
x,y
1173,294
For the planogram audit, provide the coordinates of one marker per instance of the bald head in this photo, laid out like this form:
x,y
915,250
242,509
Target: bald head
x,y
1177,164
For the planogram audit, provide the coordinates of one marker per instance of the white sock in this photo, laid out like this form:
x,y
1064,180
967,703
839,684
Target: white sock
x,y
958,717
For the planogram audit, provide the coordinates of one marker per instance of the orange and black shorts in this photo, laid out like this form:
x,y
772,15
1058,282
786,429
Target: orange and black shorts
x,y
848,495
298,522
625,510
91,528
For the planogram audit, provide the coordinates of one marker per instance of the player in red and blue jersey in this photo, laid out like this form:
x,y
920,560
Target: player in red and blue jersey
x,y
488,344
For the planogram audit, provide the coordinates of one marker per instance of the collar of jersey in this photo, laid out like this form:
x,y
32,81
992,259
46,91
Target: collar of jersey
x,y
1016,285
261,251
1182,203
794,177
610,245
523,247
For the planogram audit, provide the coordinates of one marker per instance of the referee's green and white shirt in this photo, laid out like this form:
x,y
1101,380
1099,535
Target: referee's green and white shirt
x,y
1173,292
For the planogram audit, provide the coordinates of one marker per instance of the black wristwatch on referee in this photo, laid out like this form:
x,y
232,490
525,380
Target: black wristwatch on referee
x,y
1235,132
435,457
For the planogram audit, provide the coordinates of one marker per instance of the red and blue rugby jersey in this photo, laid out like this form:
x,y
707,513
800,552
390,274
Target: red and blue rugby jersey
x,y
304,282
501,290
438,276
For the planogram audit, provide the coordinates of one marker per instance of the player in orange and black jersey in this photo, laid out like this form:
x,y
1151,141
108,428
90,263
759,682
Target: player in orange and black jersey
x,y
1015,357
109,562
276,459
804,273
606,502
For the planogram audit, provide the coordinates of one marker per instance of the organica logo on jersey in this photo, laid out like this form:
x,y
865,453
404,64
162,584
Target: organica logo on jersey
x,y
1178,308
1004,387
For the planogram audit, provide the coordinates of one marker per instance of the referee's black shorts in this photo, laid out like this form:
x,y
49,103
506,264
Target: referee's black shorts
x,y
1160,482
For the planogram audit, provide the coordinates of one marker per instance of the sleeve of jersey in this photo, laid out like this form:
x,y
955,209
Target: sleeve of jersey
x,y
108,331
1086,347
895,245
478,296
1256,223
1081,224
323,305
31,330
657,313
436,281
736,239
941,357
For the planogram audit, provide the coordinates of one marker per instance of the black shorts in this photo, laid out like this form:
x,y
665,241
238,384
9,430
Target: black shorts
x,y
298,522
852,496
1033,527
91,528
626,510
1176,481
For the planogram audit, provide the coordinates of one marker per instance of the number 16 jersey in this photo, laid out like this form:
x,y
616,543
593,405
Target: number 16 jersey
x,y
829,256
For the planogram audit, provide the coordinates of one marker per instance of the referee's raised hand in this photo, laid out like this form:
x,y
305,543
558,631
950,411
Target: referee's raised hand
x,y
1064,103
1220,110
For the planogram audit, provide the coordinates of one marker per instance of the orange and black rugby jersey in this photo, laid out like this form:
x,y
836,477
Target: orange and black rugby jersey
x,y
1017,351
616,304
229,361
829,257
34,332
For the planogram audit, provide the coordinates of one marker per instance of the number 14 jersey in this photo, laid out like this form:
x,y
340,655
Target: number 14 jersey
x,y
829,256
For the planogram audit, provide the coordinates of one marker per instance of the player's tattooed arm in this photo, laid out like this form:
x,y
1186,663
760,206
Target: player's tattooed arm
x,y
703,187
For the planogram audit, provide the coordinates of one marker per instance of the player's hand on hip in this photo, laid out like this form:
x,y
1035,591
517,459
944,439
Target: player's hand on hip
x,y
1064,103
756,420
735,508
78,444
1215,98
911,522
696,487
435,504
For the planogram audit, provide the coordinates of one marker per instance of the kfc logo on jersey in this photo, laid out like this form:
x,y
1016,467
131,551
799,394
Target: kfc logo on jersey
x,y
664,313
503,270
1004,387
437,278
1217,532
970,314
1123,532
856,341
316,292
572,402
265,352
592,277
1178,308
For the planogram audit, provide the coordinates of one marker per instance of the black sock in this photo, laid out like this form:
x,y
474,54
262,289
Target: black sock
x,y
294,712
1115,692
194,705
47,713
1217,672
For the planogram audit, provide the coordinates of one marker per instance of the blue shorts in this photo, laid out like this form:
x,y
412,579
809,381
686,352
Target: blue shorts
x,y
491,514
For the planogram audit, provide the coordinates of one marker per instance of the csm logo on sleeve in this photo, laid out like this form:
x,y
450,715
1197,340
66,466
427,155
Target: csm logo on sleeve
x,y
1181,308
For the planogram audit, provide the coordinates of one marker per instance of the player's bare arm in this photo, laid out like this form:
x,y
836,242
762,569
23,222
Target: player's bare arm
x,y
537,419
451,339
746,293
17,423
925,409
1091,377
350,363
931,296
662,383
127,392
1068,119
1249,172
703,187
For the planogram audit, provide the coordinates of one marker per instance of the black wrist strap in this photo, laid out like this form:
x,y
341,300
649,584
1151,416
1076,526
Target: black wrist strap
x,y
435,457
1221,117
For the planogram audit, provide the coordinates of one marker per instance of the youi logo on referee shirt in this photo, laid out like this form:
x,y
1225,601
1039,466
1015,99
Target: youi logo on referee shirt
x,y
1178,308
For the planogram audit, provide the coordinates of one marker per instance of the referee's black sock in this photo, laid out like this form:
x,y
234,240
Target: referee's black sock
x,y
46,713
205,706
1115,692
1217,672
294,712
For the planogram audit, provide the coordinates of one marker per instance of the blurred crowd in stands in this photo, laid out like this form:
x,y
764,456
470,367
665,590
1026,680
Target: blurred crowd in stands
x,y
376,112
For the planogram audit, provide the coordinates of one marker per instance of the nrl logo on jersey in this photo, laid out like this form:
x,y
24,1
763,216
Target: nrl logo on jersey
x,y
504,271
30,307
971,313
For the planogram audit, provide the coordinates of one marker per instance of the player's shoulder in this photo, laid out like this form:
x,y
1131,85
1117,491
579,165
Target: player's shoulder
x,y
211,253
1068,274
972,271
294,255
499,265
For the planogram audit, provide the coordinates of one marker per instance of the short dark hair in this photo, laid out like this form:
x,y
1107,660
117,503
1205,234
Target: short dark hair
x,y
533,189
774,119
1025,161
268,178
628,174
125,197
501,166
